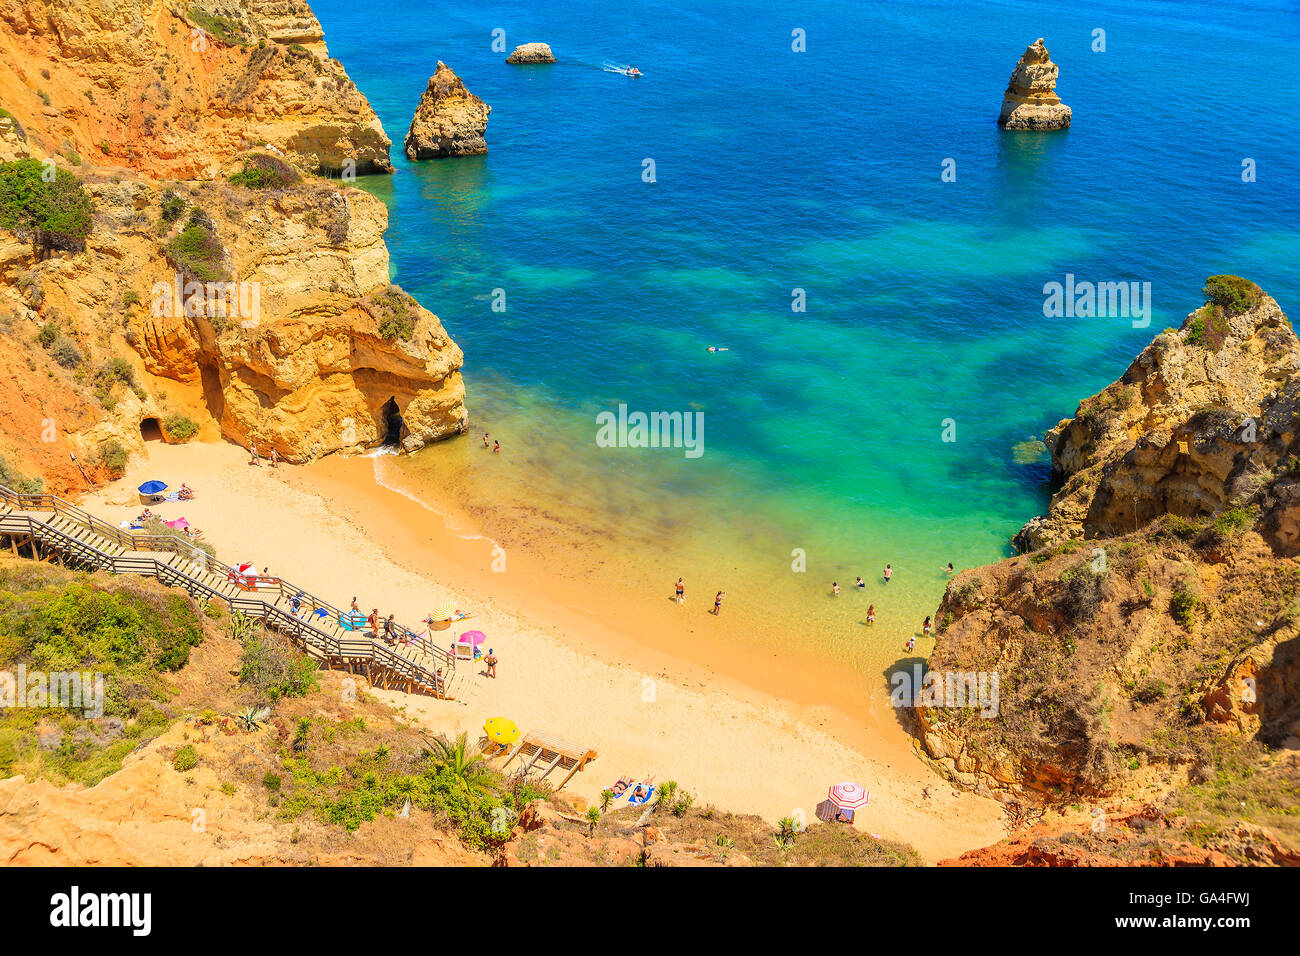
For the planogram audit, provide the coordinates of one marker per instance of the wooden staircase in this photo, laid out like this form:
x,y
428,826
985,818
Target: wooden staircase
x,y
47,528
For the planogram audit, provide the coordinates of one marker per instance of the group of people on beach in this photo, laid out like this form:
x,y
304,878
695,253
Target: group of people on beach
x,y
888,575
679,592
255,459
495,445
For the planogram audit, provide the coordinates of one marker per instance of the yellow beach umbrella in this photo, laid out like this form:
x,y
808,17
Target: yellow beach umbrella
x,y
443,612
501,731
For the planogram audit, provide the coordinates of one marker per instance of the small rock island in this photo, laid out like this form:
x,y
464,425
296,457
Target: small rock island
x,y
531,53
1031,102
450,120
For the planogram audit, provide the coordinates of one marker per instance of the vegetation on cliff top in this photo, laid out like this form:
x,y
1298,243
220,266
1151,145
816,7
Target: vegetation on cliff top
x,y
261,171
46,205
130,632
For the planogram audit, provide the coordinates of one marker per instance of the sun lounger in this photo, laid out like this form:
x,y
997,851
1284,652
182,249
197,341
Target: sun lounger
x,y
623,786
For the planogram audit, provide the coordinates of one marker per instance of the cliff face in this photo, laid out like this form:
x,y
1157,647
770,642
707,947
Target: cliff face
x,y
1030,102
1149,652
261,309
174,90
1198,418
450,120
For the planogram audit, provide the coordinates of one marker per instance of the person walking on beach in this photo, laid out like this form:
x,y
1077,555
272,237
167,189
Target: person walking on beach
x,y
911,642
889,572
717,603
274,456
926,626
485,440
491,662
252,450
871,614
496,448
681,591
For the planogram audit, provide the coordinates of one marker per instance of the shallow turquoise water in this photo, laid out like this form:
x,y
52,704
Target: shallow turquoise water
x,y
821,171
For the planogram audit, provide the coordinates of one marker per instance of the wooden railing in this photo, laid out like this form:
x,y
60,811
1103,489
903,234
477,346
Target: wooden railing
x,y
332,646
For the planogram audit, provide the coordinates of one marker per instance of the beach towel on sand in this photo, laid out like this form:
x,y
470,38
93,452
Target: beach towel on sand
x,y
634,800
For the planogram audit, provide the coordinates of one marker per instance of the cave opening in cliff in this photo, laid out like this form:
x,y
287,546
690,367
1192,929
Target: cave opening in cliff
x,y
392,422
151,429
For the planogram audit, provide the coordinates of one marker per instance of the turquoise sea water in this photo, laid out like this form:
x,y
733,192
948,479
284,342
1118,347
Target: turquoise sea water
x,y
820,171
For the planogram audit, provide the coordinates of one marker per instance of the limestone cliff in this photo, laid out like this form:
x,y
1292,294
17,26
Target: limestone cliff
x,y
281,327
1030,102
450,120
1149,647
174,91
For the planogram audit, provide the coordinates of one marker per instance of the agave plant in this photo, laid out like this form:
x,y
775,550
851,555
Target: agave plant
x,y
785,833
593,817
250,718
241,627
606,798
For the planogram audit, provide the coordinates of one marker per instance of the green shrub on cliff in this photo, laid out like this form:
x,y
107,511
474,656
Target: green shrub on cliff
x,y
179,428
224,29
12,478
197,251
397,313
261,171
1233,294
51,210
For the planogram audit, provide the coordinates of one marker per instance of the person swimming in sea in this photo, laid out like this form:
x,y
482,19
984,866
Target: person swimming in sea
x,y
496,447
889,572
485,440
949,568
835,586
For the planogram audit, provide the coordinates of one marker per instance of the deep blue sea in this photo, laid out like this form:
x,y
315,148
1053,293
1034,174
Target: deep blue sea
x,y
778,170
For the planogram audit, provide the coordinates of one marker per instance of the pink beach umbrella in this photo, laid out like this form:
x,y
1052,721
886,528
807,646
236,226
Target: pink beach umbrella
x,y
473,637
179,523
848,796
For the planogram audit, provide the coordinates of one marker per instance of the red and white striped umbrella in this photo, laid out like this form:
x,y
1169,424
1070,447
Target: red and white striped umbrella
x,y
246,570
848,796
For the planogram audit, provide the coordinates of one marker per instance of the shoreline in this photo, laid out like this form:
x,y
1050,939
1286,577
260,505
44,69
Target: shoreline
x,y
597,671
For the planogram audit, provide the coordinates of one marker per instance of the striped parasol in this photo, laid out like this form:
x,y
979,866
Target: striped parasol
x,y
443,612
848,796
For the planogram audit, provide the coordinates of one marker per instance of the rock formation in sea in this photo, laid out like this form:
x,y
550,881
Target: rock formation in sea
x,y
531,53
450,120
1152,631
1030,102
198,138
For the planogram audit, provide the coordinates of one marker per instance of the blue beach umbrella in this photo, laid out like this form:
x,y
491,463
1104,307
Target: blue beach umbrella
x,y
153,488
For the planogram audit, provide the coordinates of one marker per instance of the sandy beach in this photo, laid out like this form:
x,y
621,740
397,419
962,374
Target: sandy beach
x,y
743,731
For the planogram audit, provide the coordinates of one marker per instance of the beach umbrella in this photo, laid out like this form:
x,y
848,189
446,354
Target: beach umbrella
x,y
153,488
473,637
501,731
848,796
443,612
246,570
179,523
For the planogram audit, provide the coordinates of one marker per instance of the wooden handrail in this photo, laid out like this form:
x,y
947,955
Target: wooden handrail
x,y
301,629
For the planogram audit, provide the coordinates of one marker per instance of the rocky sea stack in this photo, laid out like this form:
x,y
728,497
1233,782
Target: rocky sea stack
x,y
1031,102
531,53
450,120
